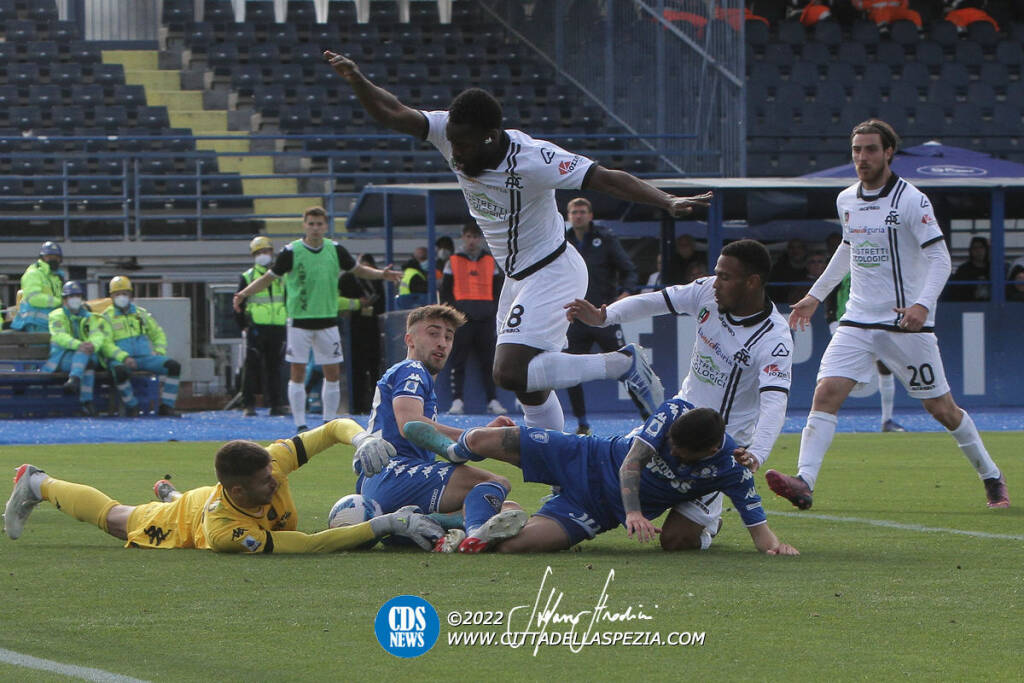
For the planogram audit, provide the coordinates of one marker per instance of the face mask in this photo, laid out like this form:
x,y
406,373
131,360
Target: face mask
x,y
122,300
424,264
74,303
262,259
443,254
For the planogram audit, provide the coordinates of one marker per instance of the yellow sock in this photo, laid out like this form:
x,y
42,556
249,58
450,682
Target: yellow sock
x,y
84,503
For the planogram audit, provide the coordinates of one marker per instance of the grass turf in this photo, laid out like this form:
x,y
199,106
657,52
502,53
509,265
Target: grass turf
x,y
862,601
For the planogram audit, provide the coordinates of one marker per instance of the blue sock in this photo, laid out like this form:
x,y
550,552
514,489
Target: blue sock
x,y
483,502
461,449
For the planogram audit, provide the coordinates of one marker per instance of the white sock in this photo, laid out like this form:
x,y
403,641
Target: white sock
x,y
297,402
548,415
35,482
556,370
886,390
330,395
814,441
969,441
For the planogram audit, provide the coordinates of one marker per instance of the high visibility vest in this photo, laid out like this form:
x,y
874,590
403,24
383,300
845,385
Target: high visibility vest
x,y
472,280
40,288
266,307
408,275
312,283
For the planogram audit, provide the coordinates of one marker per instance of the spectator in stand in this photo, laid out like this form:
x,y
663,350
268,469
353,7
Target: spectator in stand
x,y
962,13
789,268
813,269
365,331
976,267
41,290
612,277
412,292
263,318
1015,290
812,12
680,260
653,283
471,284
76,339
444,247
695,271
885,12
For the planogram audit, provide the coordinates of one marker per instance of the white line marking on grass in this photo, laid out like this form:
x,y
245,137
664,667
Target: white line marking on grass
x,y
83,672
900,525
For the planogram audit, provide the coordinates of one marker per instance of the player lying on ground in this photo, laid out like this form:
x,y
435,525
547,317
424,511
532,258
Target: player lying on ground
x,y
249,511
680,454
741,362
509,181
405,393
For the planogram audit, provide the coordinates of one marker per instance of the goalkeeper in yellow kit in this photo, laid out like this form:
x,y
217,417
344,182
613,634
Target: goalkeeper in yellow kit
x,y
250,510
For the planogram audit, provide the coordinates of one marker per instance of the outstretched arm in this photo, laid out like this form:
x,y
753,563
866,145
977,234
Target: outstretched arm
x,y
766,541
627,186
378,102
629,485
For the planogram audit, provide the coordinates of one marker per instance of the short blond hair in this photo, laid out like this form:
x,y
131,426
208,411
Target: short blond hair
x,y
435,312
581,201
314,211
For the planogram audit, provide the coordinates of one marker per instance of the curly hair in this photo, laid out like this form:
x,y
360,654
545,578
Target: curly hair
x,y
475,108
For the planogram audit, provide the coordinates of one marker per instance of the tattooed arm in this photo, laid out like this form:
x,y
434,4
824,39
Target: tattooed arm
x,y
630,472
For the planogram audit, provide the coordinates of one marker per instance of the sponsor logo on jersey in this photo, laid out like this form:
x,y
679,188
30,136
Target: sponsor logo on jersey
x,y
567,167
703,315
867,254
706,370
869,207
714,345
780,351
251,544
547,155
774,370
483,205
539,437
867,230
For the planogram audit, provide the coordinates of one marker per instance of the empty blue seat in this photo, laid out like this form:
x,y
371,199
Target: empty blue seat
x,y
903,32
956,74
264,53
827,31
294,119
967,119
942,93
23,75
945,33
969,53
930,54
890,53
8,53
756,32
904,95
45,95
841,73
245,78
66,75
88,94
20,31
830,92
222,57
1009,53
64,31
84,52
916,74
68,118
816,53
152,118
25,117
792,32
199,35
852,53
9,96
878,73
995,74
983,33
929,120
864,32
43,51
283,35
108,75
130,96
1006,119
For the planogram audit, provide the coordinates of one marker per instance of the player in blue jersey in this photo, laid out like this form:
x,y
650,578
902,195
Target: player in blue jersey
x,y
681,453
414,476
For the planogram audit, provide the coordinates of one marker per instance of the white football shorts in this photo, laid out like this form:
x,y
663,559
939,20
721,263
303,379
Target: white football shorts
x,y
913,357
530,311
325,343
705,511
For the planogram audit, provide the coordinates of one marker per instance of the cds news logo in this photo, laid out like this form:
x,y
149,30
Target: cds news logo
x,y
407,626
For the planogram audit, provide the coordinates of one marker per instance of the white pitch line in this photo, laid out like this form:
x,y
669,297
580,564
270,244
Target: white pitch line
x,y
900,525
83,672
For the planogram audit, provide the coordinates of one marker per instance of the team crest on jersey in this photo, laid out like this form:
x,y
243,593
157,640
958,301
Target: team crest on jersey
x,y
893,218
703,315
539,437
547,155
597,242
514,181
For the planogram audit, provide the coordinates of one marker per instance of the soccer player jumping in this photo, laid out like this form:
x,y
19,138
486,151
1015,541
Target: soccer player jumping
x,y
509,181
898,263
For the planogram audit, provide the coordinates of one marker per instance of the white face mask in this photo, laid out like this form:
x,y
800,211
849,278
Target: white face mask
x,y
73,303
263,259
122,300
443,254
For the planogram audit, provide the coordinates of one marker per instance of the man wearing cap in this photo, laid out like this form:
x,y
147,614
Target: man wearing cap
x,y
263,317
76,337
41,290
140,345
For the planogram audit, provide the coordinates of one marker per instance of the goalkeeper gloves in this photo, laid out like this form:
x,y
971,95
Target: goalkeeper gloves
x,y
406,522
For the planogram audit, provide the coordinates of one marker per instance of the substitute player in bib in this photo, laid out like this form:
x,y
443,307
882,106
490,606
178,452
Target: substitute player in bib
x,y
249,511
741,365
681,453
509,181
898,263
414,476
311,267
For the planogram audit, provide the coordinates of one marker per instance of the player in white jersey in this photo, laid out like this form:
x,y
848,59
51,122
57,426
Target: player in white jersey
x,y
509,181
741,365
898,263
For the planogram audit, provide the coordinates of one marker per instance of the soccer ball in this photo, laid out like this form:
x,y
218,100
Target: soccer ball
x,y
352,509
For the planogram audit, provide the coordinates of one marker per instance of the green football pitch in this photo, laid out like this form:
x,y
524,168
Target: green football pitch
x,y
903,574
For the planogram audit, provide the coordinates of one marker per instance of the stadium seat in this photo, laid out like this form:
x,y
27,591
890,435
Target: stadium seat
x,y
864,32
982,93
283,35
929,120
816,118
916,74
20,31
852,53
245,78
288,75
942,93
827,31
130,96
816,53
110,118
903,32
791,32
995,74
9,96
294,119
841,74
64,31
41,12
8,12
877,73
945,34
264,53
45,95
894,114
25,117
1010,53
43,51
763,72
219,12
890,53
259,13
268,99
970,54
984,34
87,95
222,57
756,32
325,35
23,75
967,119
66,75
956,74
84,52
904,95
830,92
8,53
301,12
108,75
311,96
1006,119
199,36
930,54
154,118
